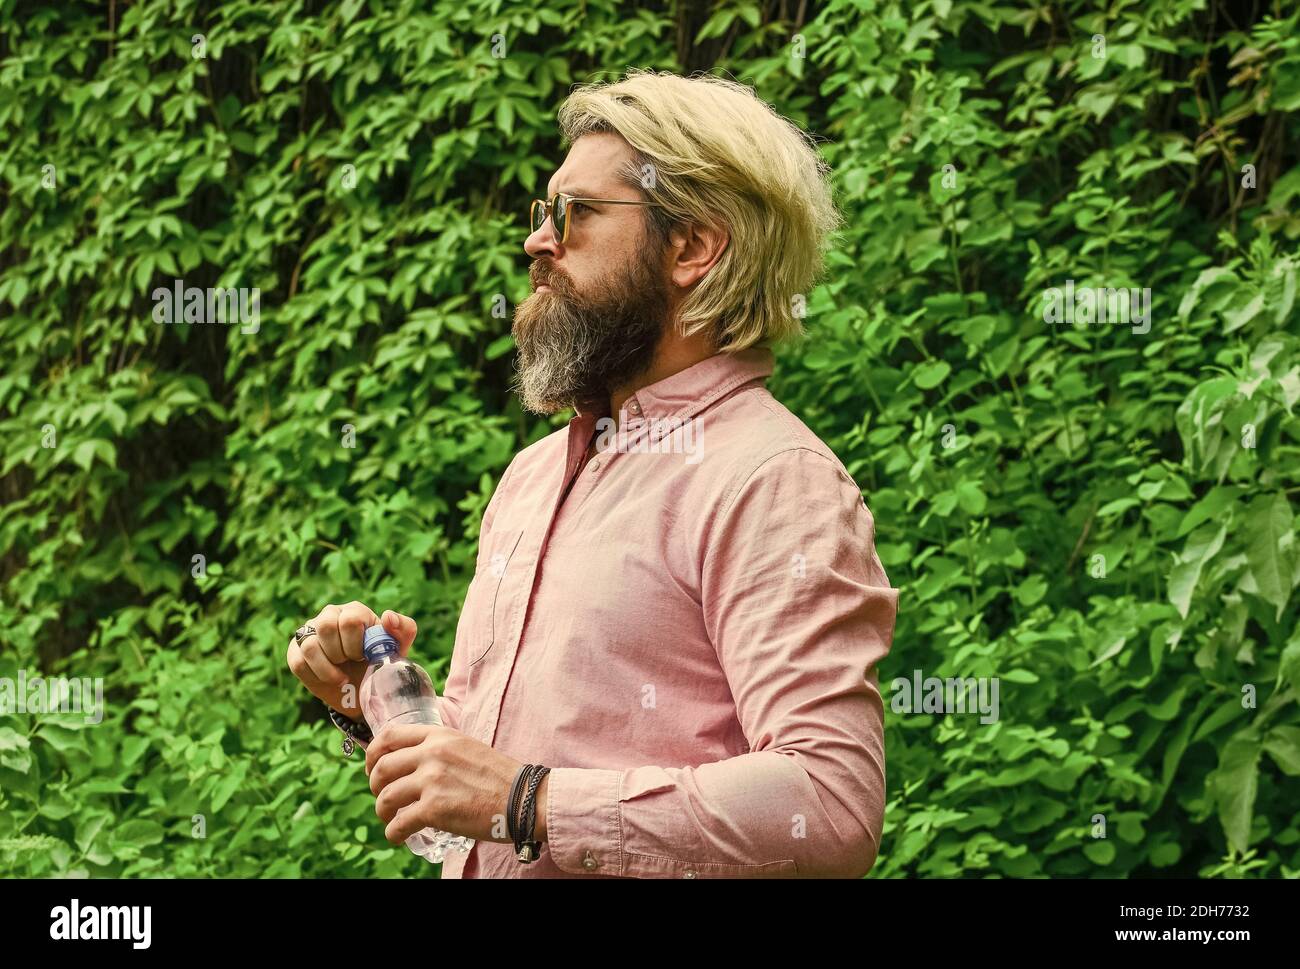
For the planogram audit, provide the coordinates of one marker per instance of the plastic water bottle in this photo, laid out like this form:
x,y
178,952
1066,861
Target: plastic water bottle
x,y
397,690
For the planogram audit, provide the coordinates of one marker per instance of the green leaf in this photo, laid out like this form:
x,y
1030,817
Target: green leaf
x,y
14,750
1113,645
1283,745
1166,854
85,453
971,498
1288,667
227,786
139,832
931,373
1202,546
88,830
1031,591
716,25
505,116
1269,541
1019,676
1211,506
1100,852
1233,785
62,738
499,347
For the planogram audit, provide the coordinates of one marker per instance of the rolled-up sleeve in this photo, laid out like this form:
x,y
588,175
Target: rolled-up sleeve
x,y
800,612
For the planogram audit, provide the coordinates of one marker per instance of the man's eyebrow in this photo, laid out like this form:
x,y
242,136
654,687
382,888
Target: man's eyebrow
x,y
578,192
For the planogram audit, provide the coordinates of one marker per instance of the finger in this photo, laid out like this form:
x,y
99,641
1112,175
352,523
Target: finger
x,y
326,672
393,736
300,668
391,766
406,823
354,619
395,796
327,635
402,628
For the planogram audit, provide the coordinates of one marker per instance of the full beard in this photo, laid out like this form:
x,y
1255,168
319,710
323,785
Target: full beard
x,y
574,347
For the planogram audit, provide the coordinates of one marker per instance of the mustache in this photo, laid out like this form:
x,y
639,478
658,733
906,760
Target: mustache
x,y
544,273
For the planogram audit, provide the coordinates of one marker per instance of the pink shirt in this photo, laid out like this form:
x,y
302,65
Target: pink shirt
x,y
688,639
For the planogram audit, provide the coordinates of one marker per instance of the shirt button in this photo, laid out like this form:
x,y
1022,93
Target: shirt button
x,y
595,465
634,407
689,873
589,862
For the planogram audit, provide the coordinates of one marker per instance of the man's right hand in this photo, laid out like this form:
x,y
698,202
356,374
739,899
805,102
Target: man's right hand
x,y
331,662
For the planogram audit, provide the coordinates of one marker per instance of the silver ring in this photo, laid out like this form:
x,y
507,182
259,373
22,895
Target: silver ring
x,y
302,632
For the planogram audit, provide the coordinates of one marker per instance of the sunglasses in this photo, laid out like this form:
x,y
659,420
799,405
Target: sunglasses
x,y
559,206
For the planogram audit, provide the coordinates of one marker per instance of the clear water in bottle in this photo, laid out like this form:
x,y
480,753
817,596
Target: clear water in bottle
x,y
396,689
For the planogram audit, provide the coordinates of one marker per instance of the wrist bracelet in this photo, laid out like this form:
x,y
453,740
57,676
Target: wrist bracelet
x,y
527,850
521,811
353,730
530,811
512,803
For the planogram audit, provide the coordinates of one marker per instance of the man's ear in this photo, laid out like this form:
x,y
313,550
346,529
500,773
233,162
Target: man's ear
x,y
695,250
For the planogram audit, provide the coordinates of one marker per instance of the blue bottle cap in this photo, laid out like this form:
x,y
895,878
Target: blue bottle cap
x,y
379,643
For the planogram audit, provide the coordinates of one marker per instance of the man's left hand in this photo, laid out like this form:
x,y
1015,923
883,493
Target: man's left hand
x,y
425,776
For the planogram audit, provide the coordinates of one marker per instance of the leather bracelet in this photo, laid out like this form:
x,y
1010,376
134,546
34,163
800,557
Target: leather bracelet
x,y
525,851
530,811
512,803
521,812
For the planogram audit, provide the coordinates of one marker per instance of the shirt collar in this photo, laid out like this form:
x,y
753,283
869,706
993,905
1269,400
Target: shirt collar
x,y
687,392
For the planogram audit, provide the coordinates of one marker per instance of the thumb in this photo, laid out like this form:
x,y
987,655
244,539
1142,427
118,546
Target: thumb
x,y
402,628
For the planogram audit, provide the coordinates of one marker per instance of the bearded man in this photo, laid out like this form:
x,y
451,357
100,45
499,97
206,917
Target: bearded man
x,y
665,665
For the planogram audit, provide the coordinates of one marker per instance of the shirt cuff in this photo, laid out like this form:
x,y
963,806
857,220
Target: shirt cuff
x,y
583,834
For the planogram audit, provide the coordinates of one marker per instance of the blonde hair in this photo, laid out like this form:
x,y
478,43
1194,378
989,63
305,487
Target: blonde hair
x,y
720,155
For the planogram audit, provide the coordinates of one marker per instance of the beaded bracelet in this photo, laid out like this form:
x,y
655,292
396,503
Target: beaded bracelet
x,y
353,730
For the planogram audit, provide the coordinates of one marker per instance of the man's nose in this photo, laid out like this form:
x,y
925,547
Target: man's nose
x,y
542,241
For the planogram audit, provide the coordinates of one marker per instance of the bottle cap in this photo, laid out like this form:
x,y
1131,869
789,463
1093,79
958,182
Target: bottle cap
x,y
379,643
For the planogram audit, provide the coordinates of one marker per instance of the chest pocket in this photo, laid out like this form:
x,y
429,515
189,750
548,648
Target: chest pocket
x,y
487,604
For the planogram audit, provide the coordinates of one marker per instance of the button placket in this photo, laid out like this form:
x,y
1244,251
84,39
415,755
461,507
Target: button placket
x,y
583,485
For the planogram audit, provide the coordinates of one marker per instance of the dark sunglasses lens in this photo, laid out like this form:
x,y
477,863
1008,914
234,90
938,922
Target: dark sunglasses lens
x,y
560,212
538,214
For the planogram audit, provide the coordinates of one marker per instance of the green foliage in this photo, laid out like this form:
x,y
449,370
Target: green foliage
x,y
1099,517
